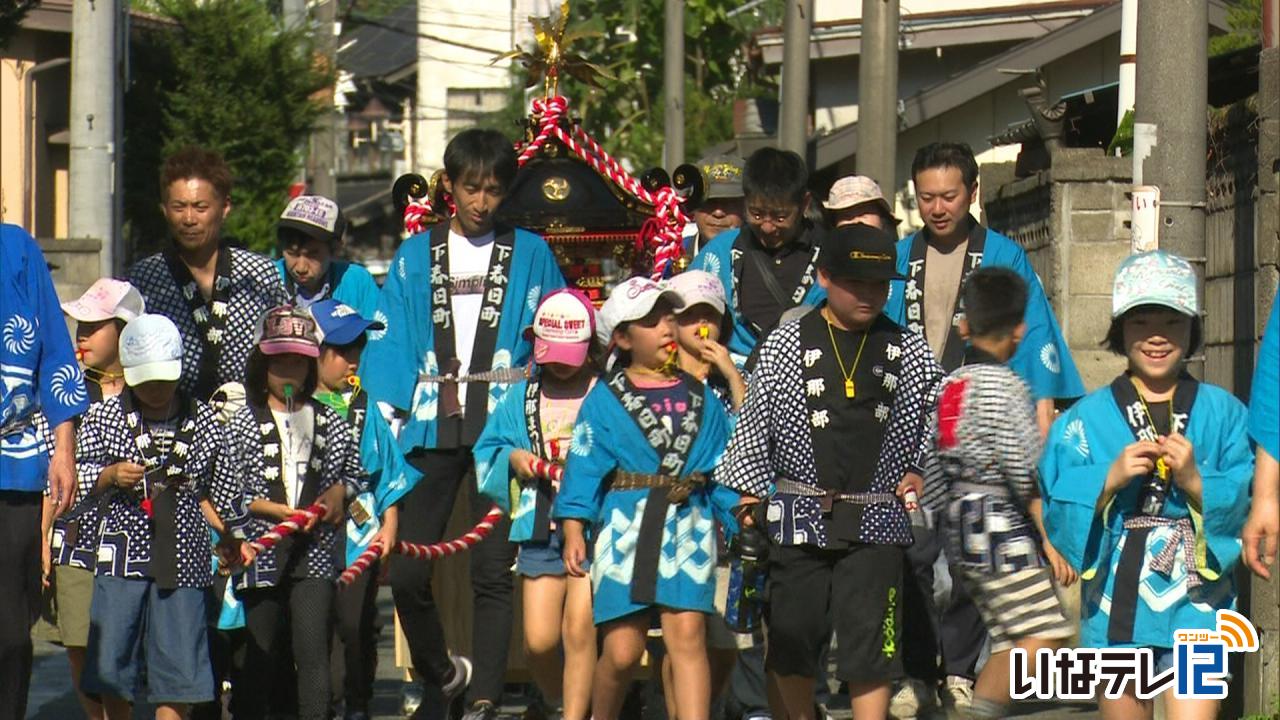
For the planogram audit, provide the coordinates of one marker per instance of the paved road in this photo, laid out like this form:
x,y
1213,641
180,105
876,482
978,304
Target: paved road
x,y
51,697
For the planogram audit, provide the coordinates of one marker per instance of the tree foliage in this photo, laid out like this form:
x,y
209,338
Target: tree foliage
x,y
226,76
1245,20
12,13
625,113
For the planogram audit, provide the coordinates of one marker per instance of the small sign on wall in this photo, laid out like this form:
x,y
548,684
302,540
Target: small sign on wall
x,y
1145,222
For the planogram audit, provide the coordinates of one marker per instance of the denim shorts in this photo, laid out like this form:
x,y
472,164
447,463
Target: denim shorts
x,y
136,631
538,559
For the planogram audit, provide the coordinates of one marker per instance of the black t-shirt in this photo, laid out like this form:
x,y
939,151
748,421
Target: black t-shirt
x,y
787,265
847,442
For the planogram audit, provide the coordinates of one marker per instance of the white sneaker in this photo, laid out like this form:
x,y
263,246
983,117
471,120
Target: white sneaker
x,y
461,679
959,692
911,698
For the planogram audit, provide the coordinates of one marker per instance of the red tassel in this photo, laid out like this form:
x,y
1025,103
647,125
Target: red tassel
x,y
146,508
950,407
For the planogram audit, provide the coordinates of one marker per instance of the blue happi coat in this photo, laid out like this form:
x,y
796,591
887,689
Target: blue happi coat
x,y
507,430
38,368
349,283
1043,359
1079,452
716,257
1264,415
405,349
390,477
605,438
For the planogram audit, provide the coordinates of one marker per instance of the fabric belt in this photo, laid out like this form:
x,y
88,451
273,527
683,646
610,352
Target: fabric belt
x,y
831,497
664,491
1124,600
678,489
499,375
1184,539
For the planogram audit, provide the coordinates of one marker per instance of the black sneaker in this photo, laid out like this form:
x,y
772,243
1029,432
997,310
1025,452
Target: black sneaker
x,y
481,710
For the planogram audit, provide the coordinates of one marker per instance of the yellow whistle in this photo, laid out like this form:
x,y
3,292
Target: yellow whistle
x,y
669,367
354,382
703,331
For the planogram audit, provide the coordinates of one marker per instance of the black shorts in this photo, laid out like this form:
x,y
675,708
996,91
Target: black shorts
x,y
855,591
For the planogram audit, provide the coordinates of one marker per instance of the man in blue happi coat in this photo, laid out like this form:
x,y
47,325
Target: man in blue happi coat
x,y
455,306
936,261
40,382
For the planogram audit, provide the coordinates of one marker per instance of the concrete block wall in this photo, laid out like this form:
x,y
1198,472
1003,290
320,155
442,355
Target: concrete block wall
x,y
75,266
1072,221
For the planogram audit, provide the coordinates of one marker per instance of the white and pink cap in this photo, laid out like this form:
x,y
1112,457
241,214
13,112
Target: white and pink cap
x,y
562,328
104,300
697,287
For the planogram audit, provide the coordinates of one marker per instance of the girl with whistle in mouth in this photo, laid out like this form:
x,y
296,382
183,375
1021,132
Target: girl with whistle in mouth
x,y
293,451
644,445
699,323
1146,483
71,545
530,427
373,517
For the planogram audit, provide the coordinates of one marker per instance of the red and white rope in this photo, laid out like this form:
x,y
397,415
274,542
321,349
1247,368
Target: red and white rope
x,y
425,552
287,527
665,239
663,236
548,470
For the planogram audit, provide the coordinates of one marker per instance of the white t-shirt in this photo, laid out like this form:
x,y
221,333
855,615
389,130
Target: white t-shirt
x,y
468,266
296,431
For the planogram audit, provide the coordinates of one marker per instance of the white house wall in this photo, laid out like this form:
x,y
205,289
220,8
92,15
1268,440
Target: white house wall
x,y
834,10
477,31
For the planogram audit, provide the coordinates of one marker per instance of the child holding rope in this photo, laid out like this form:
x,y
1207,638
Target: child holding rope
x,y
155,456
645,441
534,422
373,517
293,451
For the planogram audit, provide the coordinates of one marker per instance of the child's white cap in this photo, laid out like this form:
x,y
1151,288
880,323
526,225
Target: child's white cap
x,y
150,349
631,300
698,287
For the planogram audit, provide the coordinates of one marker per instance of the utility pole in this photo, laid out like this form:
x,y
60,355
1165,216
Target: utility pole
x,y
294,14
673,85
793,121
878,93
1128,56
95,101
324,142
1170,122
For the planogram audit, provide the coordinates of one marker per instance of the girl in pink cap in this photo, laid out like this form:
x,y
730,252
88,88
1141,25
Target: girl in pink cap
x,y
533,424
291,451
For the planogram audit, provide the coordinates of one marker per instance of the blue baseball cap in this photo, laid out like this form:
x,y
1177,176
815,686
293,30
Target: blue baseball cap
x,y
339,324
